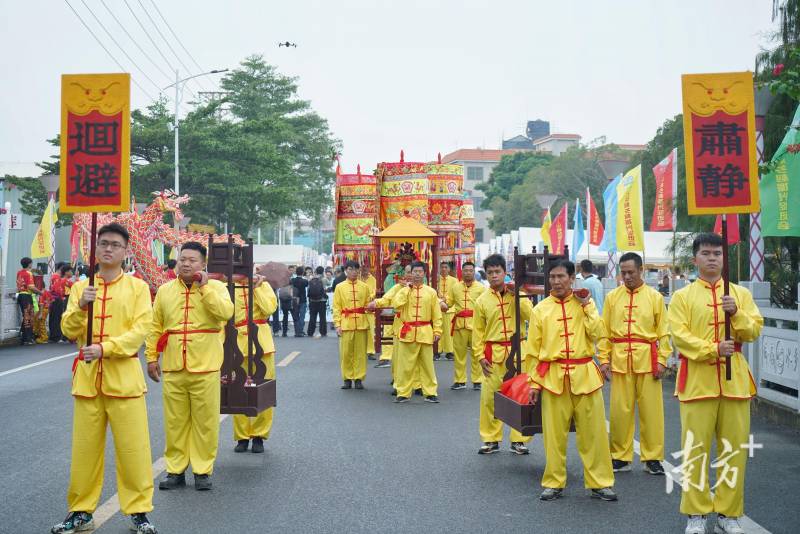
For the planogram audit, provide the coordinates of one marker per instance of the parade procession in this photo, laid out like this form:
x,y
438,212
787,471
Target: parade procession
x,y
305,292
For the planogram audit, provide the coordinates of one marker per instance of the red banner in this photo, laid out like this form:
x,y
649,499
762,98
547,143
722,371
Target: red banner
x,y
558,231
664,212
733,228
593,221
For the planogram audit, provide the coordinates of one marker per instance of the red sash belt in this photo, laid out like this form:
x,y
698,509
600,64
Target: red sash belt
x,y
683,372
653,350
544,367
487,350
353,311
462,313
256,321
80,358
407,326
162,341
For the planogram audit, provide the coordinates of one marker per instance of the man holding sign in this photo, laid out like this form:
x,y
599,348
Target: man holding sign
x,y
108,386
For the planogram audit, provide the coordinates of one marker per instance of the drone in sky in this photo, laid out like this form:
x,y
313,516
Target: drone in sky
x,y
287,44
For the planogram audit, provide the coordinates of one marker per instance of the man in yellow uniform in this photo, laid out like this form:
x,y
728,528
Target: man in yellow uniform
x,y
189,315
461,302
634,357
493,325
366,277
446,283
711,406
264,305
561,337
421,318
108,387
350,300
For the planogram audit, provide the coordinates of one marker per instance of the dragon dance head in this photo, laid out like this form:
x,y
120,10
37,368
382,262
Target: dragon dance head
x,y
168,201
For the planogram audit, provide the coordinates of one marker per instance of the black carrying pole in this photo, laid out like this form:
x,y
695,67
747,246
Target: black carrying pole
x,y
252,329
92,260
726,289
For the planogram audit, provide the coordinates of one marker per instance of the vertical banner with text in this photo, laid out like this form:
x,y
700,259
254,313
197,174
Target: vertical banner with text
x,y
720,139
95,143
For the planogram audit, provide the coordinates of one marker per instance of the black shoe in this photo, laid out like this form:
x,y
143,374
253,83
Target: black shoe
x,y
437,356
551,494
172,481
489,447
358,384
348,384
449,356
418,391
394,392
476,386
74,522
654,467
258,445
284,335
400,400
620,466
432,398
458,385
299,335
371,356
519,448
202,482
383,363
605,494
142,525
241,445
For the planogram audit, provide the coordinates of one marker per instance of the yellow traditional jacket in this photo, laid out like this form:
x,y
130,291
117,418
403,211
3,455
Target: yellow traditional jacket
x,y
561,338
121,318
637,331
189,326
349,301
264,305
461,301
494,323
372,284
445,284
387,301
420,314
697,324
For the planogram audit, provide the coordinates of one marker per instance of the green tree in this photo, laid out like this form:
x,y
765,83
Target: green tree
x,y
510,172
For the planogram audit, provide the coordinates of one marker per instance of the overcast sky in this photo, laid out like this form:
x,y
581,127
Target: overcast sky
x,y
423,75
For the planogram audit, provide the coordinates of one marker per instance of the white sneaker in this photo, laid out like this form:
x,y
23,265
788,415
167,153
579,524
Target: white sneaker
x,y
696,525
728,525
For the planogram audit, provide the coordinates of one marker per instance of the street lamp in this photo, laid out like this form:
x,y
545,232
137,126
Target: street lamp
x,y
178,86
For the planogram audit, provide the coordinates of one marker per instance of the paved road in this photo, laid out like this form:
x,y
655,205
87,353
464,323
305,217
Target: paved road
x,y
351,461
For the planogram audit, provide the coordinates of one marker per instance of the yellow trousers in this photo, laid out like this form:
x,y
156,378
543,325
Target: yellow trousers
x,y
256,427
371,333
462,340
191,421
628,390
589,414
353,354
491,429
414,359
720,419
446,341
128,419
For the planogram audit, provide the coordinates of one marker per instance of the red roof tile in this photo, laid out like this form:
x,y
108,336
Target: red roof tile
x,y
479,154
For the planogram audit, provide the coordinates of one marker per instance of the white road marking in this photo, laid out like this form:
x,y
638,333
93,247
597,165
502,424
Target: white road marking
x,y
108,509
289,358
34,364
749,526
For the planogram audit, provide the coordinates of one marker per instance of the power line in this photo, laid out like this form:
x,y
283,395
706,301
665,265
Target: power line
x,y
153,42
176,37
119,46
137,84
156,65
188,70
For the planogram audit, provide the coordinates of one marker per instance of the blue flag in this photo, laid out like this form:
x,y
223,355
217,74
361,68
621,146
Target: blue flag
x,y
609,243
577,231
